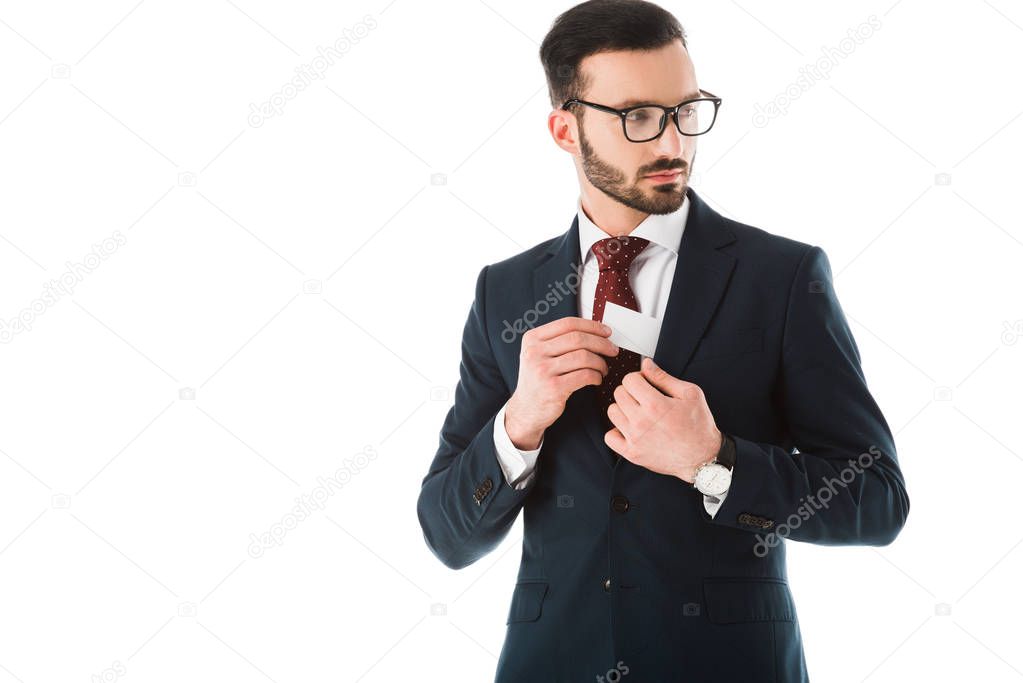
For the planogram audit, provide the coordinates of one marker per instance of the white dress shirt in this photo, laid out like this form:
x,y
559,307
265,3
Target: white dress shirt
x,y
650,275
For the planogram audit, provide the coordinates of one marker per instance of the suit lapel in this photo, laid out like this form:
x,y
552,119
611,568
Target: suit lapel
x,y
701,276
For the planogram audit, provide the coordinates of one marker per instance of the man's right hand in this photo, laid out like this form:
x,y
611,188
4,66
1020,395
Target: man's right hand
x,y
555,360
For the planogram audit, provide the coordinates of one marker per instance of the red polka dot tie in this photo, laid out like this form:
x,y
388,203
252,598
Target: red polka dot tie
x,y
614,256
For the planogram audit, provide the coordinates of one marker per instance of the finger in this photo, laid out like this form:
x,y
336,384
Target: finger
x,y
568,324
658,377
618,418
579,340
640,389
577,379
625,401
575,360
616,441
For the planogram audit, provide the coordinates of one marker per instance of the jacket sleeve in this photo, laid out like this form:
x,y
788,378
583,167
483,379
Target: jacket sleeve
x,y
466,507
843,485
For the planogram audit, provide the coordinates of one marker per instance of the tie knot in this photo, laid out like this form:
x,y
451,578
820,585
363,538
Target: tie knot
x,y
617,253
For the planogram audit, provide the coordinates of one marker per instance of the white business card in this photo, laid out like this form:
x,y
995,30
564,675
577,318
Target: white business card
x,y
631,329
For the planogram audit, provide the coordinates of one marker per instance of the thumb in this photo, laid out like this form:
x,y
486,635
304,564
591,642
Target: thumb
x,y
658,377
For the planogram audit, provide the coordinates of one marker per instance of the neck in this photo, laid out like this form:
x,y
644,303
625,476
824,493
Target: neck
x,y
609,215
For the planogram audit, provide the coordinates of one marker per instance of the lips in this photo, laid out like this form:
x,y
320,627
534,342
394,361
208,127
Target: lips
x,y
667,176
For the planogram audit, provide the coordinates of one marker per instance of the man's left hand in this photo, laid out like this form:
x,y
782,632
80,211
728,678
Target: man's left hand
x,y
662,423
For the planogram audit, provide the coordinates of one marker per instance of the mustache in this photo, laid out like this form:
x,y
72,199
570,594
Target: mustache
x,y
680,165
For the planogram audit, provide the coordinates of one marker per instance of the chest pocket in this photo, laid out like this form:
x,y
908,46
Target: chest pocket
x,y
724,344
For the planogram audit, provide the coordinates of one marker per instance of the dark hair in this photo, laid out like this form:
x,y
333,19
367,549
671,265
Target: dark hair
x,y
601,26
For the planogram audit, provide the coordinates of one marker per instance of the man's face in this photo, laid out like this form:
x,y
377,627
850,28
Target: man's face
x,y
612,163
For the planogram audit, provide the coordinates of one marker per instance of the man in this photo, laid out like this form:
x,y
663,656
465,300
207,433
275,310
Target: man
x,y
656,494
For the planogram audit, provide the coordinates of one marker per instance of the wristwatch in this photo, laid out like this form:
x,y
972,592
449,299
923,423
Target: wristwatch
x,y
713,478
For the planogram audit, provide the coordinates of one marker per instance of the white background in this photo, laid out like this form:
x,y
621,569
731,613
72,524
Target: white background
x,y
308,281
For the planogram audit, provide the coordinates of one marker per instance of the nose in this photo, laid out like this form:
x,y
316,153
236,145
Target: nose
x,y
671,141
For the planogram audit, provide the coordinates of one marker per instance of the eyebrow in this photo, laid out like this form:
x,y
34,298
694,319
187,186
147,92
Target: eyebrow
x,y
633,102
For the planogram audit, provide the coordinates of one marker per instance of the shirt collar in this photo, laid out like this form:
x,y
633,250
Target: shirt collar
x,y
664,230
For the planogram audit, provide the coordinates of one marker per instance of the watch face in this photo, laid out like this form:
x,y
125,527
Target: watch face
x,y
713,479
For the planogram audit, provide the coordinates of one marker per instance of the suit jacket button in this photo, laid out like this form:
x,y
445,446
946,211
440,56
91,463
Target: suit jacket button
x,y
488,484
607,584
619,503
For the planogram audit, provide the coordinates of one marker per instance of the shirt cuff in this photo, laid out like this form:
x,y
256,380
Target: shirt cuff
x,y
711,503
518,465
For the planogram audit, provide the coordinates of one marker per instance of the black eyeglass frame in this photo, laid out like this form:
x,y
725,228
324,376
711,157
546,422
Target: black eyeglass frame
x,y
668,111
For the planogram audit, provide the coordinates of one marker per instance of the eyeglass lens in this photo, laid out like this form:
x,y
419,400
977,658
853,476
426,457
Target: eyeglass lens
x,y
645,123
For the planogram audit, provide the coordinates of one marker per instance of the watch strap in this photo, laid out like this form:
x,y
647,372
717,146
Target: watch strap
x,y
726,455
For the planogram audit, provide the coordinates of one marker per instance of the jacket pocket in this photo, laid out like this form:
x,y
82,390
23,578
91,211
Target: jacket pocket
x,y
527,601
736,600
721,344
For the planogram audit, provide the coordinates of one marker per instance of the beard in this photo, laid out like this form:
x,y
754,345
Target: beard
x,y
612,181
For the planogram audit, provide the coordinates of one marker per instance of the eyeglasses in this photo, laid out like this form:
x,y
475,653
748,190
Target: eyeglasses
x,y
644,122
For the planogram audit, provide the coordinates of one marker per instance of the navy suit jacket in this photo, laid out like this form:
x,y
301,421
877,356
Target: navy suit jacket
x,y
622,569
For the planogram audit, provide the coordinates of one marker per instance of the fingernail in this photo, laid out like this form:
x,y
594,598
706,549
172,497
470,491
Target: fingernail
x,y
606,328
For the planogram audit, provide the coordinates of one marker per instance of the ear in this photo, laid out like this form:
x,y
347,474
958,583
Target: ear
x,y
564,129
